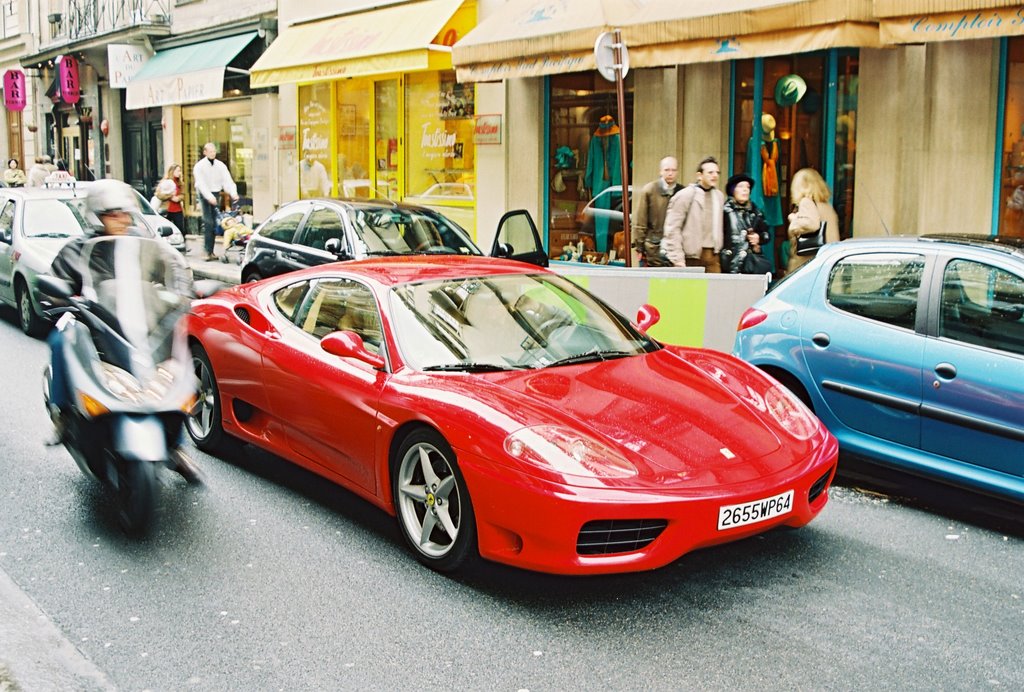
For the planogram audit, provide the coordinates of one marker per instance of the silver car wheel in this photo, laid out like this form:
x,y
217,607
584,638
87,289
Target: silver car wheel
x,y
200,418
429,504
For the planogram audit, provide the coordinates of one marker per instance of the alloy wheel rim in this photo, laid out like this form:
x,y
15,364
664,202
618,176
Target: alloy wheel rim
x,y
429,503
200,419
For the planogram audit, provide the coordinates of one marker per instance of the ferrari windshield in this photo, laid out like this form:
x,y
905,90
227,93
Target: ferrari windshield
x,y
505,322
404,231
54,218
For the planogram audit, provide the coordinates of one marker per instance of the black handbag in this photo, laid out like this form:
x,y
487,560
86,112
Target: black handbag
x,y
809,243
755,263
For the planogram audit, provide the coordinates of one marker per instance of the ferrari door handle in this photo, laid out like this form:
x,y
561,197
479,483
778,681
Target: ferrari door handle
x,y
821,339
946,371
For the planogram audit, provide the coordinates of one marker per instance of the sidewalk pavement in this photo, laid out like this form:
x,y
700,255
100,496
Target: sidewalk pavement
x,y
229,272
34,655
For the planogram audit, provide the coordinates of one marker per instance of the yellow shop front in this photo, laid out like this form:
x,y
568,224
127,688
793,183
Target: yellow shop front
x,y
379,113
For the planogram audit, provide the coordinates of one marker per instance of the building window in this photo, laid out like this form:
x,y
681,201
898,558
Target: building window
x,y
233,137
1011,184
315,140
584,163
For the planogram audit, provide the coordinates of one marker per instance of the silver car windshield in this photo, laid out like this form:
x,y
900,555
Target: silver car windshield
x,y
53,218
519,321
386,231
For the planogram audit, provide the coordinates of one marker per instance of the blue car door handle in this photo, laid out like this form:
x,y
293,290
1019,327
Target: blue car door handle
x,y
946,371
821,339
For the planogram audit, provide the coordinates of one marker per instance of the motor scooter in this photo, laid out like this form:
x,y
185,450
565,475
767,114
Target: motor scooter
x,y
129,381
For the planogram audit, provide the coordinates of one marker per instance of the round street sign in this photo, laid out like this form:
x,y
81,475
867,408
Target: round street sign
x,y
604,55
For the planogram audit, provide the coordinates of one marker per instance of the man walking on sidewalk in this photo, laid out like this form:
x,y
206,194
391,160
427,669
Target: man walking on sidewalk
x,y
211,178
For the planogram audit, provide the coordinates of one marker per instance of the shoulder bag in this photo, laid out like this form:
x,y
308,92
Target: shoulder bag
x,y
809,243
755,263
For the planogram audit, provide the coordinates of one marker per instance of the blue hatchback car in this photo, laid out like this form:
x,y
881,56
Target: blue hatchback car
x,y
910,350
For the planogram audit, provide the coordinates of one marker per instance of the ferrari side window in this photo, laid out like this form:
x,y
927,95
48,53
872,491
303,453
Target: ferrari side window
x,y
287,299
341,305
982,305
879,286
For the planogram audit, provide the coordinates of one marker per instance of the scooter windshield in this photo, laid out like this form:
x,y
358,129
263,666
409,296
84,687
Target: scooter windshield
x,y
139,288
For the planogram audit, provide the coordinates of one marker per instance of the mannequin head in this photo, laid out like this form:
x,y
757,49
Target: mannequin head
x,y
767,126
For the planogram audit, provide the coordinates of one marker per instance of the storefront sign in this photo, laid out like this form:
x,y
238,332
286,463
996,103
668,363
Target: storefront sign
x,y
67,79
191,87
950,26
14,90
487,129
124,61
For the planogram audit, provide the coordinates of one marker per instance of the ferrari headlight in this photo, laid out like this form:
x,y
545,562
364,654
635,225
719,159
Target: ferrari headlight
x,y
790,412
567,452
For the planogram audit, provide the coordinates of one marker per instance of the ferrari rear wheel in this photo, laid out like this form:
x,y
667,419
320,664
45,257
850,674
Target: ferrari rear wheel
x,y
204,421
432,502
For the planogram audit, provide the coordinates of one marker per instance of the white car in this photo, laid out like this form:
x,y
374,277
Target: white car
x,y
160,225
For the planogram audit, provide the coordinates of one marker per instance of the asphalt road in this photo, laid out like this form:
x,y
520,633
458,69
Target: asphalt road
x,y
271,579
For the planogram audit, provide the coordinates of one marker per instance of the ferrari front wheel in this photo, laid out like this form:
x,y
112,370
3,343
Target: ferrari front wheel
x,y
432,502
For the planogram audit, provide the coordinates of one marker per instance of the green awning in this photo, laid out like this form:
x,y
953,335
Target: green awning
x,y
186,74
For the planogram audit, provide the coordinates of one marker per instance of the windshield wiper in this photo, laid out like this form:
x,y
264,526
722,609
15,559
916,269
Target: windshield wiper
x,y
472,367
52,234
383,253
590,357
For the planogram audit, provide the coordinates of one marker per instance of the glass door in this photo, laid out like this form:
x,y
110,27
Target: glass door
x,y
387,179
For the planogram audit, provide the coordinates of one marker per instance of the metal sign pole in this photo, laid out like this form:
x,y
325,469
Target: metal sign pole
x,y
620,94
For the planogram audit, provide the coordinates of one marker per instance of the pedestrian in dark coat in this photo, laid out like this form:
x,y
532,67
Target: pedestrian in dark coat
x,y
744,229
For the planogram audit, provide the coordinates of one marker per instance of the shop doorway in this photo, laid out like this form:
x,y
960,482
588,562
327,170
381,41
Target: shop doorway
x,y
793,112
143,148
387,181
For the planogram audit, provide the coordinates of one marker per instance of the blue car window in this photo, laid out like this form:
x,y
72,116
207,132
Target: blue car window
x,y
879,286
982,305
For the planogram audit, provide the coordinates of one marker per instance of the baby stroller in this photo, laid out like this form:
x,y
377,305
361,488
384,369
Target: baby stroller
x,y
236,233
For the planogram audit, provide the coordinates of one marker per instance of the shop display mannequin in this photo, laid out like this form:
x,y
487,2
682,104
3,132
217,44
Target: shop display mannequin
x,y
763,166
604,169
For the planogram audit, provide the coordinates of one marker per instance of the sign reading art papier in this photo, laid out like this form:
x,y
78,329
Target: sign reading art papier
x,y
67,79
14,90
124,61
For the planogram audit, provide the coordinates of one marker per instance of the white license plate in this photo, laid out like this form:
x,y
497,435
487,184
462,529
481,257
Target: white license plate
x,y
731,516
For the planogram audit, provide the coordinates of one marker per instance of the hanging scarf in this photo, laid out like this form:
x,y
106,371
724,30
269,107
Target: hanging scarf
x,y
769,170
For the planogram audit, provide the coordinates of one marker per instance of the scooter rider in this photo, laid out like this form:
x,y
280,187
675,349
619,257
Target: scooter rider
x,y
111,203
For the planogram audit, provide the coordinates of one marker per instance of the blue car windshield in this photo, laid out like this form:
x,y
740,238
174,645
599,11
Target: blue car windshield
x,y
53,218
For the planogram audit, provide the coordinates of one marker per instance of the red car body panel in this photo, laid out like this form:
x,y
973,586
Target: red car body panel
x,y
689,421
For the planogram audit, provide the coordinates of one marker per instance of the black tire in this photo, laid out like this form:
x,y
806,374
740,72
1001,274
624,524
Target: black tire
x,y
432,503
251,277
205,421
136,496
31,322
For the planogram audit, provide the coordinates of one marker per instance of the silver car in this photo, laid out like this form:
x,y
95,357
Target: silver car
x,y
34,224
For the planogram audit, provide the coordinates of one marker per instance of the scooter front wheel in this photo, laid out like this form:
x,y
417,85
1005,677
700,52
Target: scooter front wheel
x,y
136,496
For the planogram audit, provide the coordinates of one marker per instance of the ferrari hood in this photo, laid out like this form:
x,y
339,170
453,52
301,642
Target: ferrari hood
x,y
683,421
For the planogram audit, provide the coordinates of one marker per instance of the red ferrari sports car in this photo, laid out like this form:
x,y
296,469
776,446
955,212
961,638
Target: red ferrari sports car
x,y
499,410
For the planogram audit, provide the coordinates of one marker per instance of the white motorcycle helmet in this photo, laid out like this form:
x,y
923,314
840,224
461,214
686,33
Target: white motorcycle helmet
x,y
106,196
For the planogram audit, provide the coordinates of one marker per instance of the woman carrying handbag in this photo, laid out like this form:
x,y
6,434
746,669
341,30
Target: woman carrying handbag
x,y
810,197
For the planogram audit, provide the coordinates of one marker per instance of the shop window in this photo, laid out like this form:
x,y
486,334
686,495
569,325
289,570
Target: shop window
x,y
353,130
439,145
583,162
315,140
790,131
1011,187
233,138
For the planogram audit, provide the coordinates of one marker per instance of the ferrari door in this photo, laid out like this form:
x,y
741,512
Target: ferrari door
x,y
973,408
517,239
861,346
326,404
